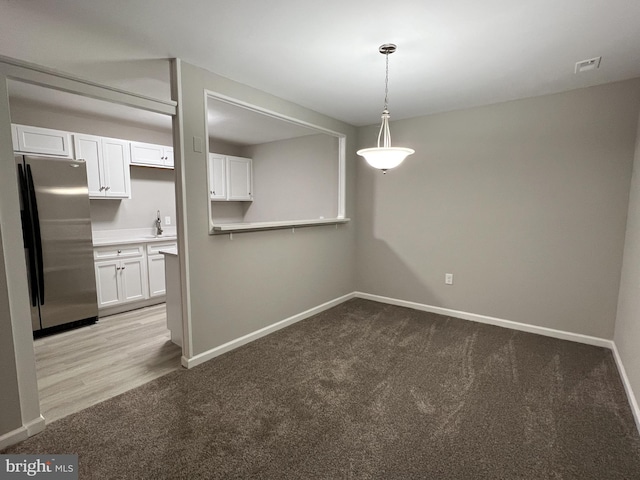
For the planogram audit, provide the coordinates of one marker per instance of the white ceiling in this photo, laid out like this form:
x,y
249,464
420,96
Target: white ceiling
x,y
451,54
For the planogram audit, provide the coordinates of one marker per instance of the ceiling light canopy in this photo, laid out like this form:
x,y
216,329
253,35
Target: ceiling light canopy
x,y
385,156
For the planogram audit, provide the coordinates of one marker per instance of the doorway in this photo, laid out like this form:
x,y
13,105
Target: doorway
x,y
21,107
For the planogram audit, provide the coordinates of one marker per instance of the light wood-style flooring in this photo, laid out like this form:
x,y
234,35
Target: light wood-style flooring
x,y
85,366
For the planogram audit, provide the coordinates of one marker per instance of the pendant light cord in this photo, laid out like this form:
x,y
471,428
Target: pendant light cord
x,y
384,135
386,83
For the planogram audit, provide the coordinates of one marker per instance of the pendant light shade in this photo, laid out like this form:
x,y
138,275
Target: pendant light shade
x,y
384,156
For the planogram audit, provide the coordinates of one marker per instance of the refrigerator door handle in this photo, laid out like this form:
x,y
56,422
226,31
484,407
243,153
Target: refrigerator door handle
x,y
37,236
27,232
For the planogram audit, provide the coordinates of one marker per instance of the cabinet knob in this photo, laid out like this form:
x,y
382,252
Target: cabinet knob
x,y
119,252
107,188
122,268
117,268
101,187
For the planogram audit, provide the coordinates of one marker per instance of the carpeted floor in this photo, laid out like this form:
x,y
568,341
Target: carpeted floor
x,y
367,390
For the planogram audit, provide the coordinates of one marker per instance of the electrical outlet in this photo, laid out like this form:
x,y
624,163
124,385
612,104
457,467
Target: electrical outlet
x,y
448,278
167,220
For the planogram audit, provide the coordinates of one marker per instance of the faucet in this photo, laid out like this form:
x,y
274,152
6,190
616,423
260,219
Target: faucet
x,y
158,225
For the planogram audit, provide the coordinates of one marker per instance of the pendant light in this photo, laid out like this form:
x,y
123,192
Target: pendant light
x,y
385,156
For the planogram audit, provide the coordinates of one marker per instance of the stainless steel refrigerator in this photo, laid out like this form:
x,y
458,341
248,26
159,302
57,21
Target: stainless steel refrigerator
x,y
56,227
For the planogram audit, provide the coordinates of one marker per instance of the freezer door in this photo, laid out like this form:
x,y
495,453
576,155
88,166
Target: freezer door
x,y
61,191
29,243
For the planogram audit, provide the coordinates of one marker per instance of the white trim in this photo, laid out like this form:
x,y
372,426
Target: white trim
x,y
270,113
58,80
22,433
524,327
342,163
238,342
342,176
255,226
547,332
633,403
181,207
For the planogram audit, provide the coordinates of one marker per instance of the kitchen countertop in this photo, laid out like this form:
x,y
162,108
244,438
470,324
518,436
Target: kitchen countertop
x,y
122,237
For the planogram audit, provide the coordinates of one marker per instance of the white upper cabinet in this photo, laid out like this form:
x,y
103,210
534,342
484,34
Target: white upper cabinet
x,y
44,141
230,178
107,162
151,155
239,178
217,177
168,157
116,167
89,149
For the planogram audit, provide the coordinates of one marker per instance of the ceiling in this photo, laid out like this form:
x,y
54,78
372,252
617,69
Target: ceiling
x,y
452,54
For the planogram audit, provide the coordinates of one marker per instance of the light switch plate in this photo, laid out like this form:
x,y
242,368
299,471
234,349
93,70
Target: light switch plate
x,y
197,144
167,220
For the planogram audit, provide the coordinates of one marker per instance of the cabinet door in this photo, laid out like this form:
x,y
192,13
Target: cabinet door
x,y
217,177
133,279
43,140
14,138
239,181
88,148
156,275
147,154
168,157
116,168
107,283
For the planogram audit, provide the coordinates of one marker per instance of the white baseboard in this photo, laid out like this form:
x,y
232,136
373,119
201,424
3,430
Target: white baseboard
x,y
22,433
548,332
633,403
524,327
238,342
499,322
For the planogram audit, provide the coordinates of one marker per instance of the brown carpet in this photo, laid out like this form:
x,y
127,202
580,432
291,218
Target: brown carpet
x,y
367,390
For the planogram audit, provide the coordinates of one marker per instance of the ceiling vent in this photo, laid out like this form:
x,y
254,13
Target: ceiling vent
x,y
586,65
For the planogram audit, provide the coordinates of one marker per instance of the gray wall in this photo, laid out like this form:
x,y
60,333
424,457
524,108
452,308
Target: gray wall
x,y
20,402
241,285
627,335
524,202
294,179
9,400
152,189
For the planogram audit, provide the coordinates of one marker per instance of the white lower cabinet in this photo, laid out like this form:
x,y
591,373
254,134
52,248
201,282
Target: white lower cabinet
x,y
155,267
157,285
121,275
129,273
